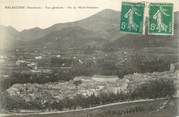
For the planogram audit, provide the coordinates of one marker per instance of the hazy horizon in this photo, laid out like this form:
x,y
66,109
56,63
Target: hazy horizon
x,y
57,22
24,19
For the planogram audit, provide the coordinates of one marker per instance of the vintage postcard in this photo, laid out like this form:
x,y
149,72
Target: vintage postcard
x,y
81,58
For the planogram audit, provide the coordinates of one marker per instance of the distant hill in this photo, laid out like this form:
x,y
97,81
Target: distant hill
x,y
141,41
104,22
101,29
32,34
71,37
93,31
8,37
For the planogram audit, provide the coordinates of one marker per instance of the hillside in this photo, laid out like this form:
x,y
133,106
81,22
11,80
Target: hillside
x,y
8,37
71,37
88,93
99,27
102,22
142,41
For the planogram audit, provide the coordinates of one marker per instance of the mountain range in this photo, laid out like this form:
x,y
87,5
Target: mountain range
x,y
99,30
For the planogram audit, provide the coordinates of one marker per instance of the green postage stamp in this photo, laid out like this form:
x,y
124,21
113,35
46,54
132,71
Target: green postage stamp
x,y
132,17
161,18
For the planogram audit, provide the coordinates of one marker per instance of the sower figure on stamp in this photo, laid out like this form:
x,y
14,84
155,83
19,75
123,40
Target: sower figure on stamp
x,y
130,15
158,17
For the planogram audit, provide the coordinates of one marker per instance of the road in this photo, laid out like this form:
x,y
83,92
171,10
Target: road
x,y
140,108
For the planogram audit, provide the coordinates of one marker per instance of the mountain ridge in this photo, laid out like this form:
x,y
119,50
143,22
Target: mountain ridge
x,y
104,25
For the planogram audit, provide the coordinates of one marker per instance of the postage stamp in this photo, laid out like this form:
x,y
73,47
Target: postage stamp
x,y
161,18
132,17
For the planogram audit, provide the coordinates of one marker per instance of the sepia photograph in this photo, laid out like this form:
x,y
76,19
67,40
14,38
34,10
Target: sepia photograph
x,y
95,58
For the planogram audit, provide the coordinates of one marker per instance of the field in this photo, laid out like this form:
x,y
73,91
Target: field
x,y
140,108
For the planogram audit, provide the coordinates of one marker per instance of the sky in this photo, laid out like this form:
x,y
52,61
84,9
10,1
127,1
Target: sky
x,y
26,18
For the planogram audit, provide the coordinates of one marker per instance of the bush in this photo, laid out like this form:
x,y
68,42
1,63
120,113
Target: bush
x,y
155,89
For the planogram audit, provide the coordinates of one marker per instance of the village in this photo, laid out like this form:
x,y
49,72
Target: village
x,y
43,96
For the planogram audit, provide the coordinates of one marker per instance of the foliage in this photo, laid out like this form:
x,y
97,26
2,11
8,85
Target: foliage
x,y
158,88
155,89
